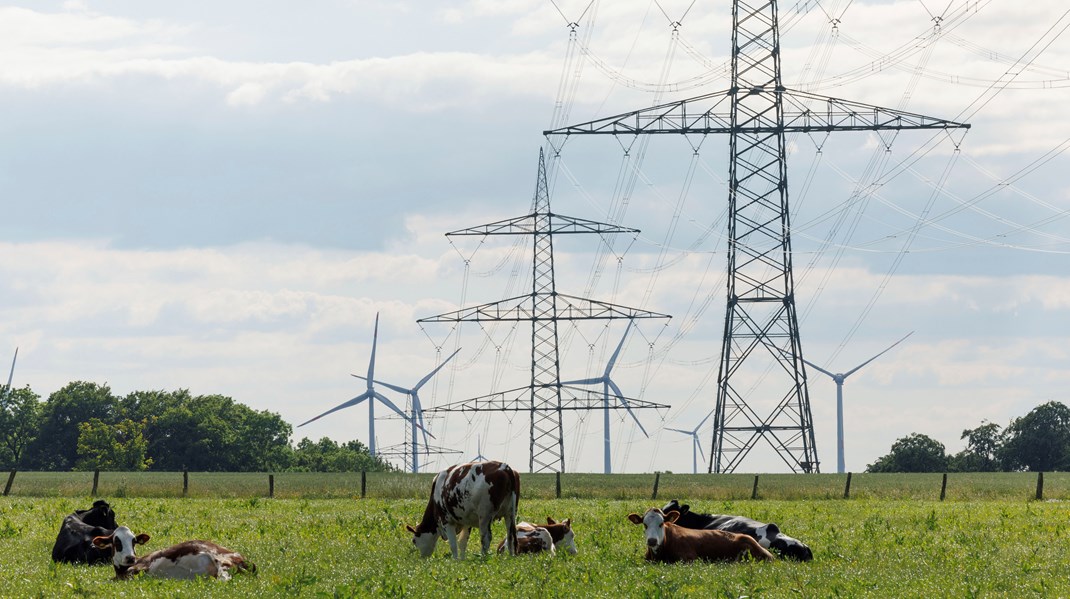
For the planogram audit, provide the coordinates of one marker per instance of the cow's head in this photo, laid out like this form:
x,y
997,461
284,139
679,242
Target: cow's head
x,y
424,541
121,542
674,506
568,541
654,525
791,548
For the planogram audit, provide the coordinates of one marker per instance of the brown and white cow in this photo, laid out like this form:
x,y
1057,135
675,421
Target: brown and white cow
x,y
561,535
666,542
466,496
187,560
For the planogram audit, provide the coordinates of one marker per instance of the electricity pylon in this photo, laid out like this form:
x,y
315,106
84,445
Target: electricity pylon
x,y
544,307
761,365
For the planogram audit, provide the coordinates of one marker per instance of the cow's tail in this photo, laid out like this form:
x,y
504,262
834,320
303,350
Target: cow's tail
x,y
510,520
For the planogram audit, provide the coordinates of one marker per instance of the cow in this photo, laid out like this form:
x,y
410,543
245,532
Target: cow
x,y
668,543
536,540
767,535
560,534
185,561
74,543
466,496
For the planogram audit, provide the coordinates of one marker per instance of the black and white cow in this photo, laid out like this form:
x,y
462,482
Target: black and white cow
x,y
469,496
74,543
767,535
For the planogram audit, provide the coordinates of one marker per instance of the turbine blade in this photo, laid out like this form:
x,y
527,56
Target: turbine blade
x,y
818,368
418,411
594,381
371,363
698,445
855,369
398,410
703,421
678,430
435,371
387,385
356,400
12,374
624,400
616,352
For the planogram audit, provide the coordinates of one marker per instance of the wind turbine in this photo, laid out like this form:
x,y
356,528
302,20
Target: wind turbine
x,y
479,452
417,408
840,378
607,385
696,447
371,395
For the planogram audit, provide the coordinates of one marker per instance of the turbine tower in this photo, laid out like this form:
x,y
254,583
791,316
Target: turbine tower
x,y
761,383
371,395
544,307
696,447
607,385
417,415
11,375
840,378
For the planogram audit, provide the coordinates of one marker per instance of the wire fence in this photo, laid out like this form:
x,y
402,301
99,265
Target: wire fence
x,y
1052,486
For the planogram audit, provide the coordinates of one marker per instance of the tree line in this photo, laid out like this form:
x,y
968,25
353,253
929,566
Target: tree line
x,y
1036,442
84,426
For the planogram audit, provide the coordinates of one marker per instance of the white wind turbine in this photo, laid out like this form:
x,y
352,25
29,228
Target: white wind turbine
x,y
840,378
479,452
12,374
607,385
417,407
696,447
371,395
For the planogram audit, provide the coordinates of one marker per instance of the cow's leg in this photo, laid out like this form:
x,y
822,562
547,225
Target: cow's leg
x,y
510,527
484,535
451,537
462,539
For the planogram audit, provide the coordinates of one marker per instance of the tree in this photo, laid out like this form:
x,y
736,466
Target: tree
x,y
1038,441
20,421
913,453
983,445
56,446
326,455
120,447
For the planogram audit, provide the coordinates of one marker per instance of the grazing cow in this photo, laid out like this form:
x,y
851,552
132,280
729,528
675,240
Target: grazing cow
x,y
767,535
668,543
74,543
186,561
466,496
560,534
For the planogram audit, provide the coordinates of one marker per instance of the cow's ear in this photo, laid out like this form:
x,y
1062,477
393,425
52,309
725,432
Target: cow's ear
x,y
410,529
102,542
672,516
567,522
685,508
635,518
550,520
141,539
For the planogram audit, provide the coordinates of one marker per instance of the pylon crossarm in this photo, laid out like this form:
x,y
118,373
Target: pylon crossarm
x,y
530,224
578,398
804,112
404,449
570,307
520,309
513,400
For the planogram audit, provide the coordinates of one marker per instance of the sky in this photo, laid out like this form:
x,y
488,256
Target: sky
x,y
222,196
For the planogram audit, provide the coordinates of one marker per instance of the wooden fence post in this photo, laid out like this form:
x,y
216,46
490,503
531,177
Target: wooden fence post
x,y
943,488
557,484
1040,486
185,482
271,485
657,479
10,479
96,479
363,483
754,491
847,487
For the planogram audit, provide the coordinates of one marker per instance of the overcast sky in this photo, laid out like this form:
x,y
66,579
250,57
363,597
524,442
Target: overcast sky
x,y
221,196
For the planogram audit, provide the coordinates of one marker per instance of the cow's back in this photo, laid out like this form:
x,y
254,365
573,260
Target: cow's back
x,y
465,494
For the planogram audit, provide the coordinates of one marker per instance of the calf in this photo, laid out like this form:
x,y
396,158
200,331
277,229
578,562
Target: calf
x,y
74,543
187,560
767,535
536,540
560,534
668,543
465,496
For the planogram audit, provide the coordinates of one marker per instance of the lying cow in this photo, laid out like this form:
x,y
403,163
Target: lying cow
x,y
767,535
467,496
74,543
668,543
186,561
560,534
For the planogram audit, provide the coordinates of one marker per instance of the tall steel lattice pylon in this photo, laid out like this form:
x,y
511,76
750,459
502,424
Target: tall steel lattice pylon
x,y
545,398
761,365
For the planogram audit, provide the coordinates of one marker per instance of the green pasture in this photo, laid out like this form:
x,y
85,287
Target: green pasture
x,y
997,542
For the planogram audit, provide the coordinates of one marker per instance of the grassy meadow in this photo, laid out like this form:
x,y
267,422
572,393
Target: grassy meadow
x,y
894,540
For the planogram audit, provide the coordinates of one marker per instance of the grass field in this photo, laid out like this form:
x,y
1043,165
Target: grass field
x,y
885,547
